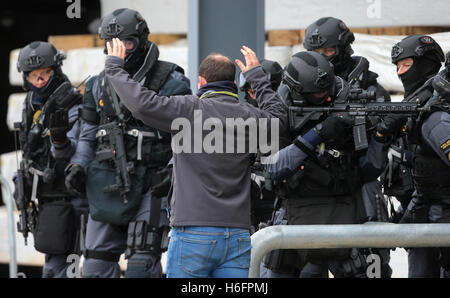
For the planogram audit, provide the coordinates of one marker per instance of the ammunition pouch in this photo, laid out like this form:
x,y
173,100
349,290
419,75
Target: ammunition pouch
x,y
355,266
282,260
314,180
143,237
55,229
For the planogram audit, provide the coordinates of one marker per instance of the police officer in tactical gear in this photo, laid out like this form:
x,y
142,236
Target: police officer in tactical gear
x,y
418,58
332,38
125,159
420,162
48,136
321,172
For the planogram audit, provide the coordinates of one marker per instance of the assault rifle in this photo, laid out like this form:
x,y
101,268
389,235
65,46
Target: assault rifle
x,y
26,207
115,130
117,153
358,111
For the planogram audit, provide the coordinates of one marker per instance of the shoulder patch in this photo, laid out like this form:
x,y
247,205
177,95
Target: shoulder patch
x,y
445,145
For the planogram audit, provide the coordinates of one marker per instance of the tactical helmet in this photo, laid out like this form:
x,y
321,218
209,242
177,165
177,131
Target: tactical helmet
x,y
273,70
427,56
417,46
37,55
328,32
308,73
124,23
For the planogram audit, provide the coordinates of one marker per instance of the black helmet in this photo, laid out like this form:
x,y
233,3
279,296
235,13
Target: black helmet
x,y
128,25
38,54
328,32
417,46
273,70
123,23
308,73
427,56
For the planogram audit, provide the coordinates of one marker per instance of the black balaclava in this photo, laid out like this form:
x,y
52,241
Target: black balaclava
x,y
342,62
134,60
421,70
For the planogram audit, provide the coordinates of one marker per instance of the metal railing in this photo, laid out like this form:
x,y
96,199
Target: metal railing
x,y
373,235
8,199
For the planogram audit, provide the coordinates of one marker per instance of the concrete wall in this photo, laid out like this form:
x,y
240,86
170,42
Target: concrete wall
x,y
170,16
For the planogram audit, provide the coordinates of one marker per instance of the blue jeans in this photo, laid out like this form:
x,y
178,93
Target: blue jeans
x,y
216,252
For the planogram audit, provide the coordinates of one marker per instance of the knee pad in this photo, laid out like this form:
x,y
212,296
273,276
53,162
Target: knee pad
x,y
144,265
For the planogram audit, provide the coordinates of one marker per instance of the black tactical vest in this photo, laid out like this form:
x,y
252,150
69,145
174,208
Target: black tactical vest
x,y
36,144
153,147
400,184
334,172
430,173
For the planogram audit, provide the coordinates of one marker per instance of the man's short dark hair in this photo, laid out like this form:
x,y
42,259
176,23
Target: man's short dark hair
x,y
217,67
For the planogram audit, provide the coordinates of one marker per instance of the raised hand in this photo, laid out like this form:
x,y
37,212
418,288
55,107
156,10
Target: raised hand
x,y
116,48
250,59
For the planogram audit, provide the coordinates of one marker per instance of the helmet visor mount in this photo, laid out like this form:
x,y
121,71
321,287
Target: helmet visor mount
x,y
114,28
35,61
396,51
316,40
323,79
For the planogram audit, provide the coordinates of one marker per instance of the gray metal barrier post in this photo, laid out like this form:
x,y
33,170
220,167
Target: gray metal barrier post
x,y
11,228
376,235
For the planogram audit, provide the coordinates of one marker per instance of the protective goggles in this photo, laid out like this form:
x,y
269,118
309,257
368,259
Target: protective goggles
x,y
131,43
43,75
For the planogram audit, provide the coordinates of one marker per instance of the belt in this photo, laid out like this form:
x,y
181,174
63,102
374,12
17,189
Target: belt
x,y
139,134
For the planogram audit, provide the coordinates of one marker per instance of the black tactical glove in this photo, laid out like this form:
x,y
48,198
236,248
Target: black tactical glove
x,y
333,128
59,126
391,124
75,180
